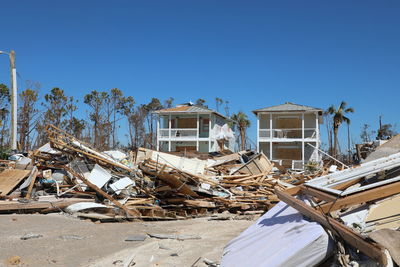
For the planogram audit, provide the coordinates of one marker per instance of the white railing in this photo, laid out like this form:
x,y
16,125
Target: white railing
x,y
290,133
164,133
178,133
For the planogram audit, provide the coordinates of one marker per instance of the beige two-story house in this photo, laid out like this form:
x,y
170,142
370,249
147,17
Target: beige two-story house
x,y
289,134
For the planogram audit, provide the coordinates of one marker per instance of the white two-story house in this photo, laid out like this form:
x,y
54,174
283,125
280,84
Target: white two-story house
x,y
189,127
289,134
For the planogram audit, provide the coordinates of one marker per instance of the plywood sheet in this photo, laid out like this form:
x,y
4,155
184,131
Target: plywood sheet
x,y
259,164
187,123
285,123
9,179
385,214
288,153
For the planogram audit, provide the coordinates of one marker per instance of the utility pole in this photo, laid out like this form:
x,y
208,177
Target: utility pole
x,y
14,100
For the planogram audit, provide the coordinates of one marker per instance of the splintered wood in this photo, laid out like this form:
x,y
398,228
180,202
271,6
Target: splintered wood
x,y
250,187
156,185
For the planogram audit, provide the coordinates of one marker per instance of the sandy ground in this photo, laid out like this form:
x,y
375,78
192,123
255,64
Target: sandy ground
x,y
104,244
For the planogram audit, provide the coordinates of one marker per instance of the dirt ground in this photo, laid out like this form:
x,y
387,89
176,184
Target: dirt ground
x,y
69,241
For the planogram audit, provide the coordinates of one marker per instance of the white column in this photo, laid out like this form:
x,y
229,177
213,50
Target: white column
x,y
158,133
14,102
197,135
302,138
209,133
270,136
258,132
169,133
317,134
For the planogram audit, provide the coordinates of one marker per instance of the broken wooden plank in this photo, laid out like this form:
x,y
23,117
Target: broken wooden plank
x,y
321,195
33,177
9,179
258,164
170,180
15,206
362,197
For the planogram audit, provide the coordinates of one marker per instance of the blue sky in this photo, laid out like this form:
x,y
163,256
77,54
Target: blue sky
x,y
251,53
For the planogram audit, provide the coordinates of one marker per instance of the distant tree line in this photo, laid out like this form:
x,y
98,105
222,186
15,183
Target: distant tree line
x,y
99,125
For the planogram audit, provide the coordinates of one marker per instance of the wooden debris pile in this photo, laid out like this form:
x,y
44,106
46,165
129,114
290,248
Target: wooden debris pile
x,y
69,175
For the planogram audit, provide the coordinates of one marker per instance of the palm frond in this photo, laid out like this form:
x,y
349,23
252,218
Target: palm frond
x,y
331,110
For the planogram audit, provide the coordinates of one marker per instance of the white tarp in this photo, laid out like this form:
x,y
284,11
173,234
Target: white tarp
x,y
222,132
281,237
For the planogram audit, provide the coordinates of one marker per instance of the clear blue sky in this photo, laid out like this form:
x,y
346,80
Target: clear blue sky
x,y
252,53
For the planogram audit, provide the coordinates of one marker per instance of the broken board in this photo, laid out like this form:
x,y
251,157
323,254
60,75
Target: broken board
x,y
257,165
9,179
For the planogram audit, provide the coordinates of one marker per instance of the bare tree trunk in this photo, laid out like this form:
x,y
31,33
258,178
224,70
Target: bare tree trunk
x,y
243,138
335,144
348,142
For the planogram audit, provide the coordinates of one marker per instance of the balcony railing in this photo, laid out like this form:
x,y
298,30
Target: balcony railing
x,y
178,133
293,133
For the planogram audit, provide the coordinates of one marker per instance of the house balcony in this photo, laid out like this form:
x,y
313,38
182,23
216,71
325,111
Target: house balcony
x,y
179,134
288,134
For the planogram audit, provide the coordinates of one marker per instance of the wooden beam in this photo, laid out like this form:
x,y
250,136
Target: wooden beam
x,y
34,175
169,179
293,191
321,195
362,197
370,249
346,184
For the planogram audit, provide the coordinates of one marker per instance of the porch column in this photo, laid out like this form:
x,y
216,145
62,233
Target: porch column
x,y
197,135
158,133
169,133
209,133
258,132
270,136
317,134
302,138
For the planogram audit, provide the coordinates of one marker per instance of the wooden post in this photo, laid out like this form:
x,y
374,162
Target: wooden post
x,y
34,175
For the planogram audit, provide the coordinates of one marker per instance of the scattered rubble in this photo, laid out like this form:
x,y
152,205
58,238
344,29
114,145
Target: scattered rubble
x,y
68,175
353,206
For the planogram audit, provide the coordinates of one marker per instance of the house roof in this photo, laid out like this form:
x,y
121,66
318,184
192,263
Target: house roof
x,y
189,108
288,106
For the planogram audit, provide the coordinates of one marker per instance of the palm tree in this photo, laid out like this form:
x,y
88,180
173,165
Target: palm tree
x,y
338,116
218,102
242,123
